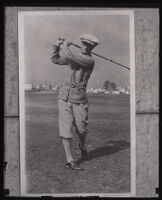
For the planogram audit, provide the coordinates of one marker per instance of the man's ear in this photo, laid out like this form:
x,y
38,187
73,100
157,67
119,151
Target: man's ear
x,y
91,47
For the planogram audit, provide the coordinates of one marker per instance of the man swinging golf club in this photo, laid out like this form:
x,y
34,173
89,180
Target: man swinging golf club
x,y
73,102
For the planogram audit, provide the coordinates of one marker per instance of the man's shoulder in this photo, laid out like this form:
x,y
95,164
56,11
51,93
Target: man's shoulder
x,y
88,58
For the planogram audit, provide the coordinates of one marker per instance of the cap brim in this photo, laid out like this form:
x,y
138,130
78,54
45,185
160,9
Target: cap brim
x,y
88,42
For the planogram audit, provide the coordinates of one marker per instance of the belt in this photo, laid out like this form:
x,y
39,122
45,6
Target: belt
x,y
76,85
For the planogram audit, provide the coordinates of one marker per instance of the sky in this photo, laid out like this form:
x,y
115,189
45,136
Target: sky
x,y
42,31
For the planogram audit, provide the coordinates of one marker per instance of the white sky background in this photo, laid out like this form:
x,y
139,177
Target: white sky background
x,y
41,32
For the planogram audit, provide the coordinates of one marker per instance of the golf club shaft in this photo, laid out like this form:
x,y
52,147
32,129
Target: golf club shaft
x,y
104,57
99,55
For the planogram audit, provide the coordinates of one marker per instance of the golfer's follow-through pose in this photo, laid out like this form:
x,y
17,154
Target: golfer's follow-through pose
x,y
73,103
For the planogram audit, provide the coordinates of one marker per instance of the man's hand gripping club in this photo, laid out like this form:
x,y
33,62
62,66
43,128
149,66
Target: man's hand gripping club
x,y
61,41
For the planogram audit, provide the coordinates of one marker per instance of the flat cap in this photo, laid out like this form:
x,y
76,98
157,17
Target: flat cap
x,y
91,39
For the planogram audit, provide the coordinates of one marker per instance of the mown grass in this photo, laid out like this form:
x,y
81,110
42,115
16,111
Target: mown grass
x,y
107,169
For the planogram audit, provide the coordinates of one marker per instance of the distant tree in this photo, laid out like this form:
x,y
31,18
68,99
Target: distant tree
x,y
106,85
33,87
109,86
50,87
58,88
113,85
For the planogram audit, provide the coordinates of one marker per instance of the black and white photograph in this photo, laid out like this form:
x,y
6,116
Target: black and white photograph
x,y
77,102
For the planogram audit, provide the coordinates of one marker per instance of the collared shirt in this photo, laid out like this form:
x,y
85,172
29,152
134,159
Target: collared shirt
x,y
80,66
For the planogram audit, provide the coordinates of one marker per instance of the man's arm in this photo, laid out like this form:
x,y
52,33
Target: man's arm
x,y
79,60
68,57
56,58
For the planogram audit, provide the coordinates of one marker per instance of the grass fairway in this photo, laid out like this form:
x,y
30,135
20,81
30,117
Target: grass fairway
x,y
107,169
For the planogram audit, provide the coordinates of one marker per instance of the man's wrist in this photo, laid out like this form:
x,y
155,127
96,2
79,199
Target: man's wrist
x,y
67,43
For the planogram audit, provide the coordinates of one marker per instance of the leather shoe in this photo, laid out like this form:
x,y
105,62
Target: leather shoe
x,y
73,165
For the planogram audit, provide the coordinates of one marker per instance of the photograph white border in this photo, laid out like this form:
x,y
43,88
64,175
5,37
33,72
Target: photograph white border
x,y
23,180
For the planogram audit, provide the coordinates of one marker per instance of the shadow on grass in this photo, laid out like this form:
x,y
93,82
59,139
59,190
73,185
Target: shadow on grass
x,y
110,148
